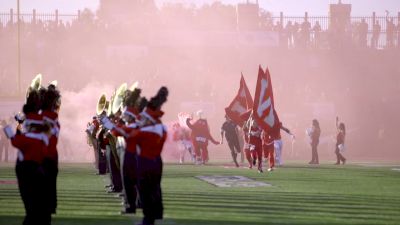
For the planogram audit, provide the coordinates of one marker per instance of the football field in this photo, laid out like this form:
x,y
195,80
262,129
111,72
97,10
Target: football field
x,y
298,194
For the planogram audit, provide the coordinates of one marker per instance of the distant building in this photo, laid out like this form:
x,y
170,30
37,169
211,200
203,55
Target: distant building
x,y
123,11
248,17
339,16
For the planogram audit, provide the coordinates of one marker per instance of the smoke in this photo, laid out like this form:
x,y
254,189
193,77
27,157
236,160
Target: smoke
x,y
77,109
199,55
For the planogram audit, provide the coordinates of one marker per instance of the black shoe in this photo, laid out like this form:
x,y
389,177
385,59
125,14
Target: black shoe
x,y
260,171
128,211
108,186
254,162
113,190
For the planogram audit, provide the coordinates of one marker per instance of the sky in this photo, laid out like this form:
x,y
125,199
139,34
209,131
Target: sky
x,y
289,7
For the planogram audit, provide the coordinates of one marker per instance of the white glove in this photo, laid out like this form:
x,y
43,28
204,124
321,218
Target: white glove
x,y
107,123
9,131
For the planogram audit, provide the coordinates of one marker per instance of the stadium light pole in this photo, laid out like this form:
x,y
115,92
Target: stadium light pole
x,y
19,50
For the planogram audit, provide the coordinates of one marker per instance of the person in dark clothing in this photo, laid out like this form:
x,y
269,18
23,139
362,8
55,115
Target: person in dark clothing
x,y
340,142
314,134
231,135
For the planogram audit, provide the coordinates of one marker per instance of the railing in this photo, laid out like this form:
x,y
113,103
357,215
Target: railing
x,y
34,17
324,22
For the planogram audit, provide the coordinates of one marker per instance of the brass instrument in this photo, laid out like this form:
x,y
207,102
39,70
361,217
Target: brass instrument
x,y
118,98
134,86
102,104
54,82
109,106
36,83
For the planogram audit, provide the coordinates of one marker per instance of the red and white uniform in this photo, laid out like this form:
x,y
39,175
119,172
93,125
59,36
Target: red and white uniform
x,y
200,137
268,149
52,119
32,146
124,131
253,148
149,139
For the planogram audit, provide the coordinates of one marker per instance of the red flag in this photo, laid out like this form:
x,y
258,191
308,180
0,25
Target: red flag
x,y
264,109
240,104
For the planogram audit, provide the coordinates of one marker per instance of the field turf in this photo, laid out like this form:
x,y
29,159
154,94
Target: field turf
x,y
300,194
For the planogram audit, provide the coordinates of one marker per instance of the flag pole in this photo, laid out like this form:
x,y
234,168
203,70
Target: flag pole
x,y
18,50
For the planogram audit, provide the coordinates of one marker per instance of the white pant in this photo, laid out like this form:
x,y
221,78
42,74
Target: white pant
x,y
185,146
278,145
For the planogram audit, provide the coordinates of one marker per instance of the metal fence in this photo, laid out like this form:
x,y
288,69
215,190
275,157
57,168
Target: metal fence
x,y
34,17
324,22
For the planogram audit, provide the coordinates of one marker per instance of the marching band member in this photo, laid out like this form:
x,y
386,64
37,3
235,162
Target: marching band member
x,y
200,137
113,158
130,115
32,142
101,145
150,139
91,131
51,99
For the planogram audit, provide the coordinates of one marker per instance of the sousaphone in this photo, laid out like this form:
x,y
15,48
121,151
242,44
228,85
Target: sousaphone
x,y
109,106
36,83
54,82
102,104
119,98
134,86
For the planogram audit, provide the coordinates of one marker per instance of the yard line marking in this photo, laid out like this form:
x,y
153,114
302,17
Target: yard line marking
x,y
232,181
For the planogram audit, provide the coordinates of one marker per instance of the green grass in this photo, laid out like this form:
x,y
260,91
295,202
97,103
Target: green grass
x,y
300,194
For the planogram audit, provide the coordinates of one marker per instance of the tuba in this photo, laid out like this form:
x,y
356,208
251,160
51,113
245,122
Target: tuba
x,y
102,104
134,86
109,106
118,98
54,82
36,83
